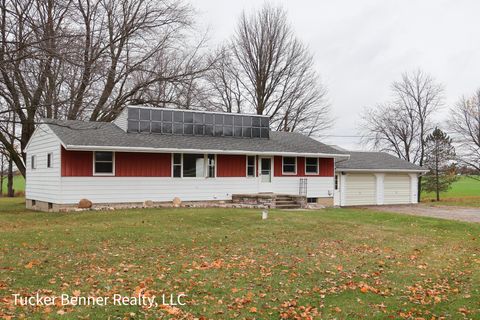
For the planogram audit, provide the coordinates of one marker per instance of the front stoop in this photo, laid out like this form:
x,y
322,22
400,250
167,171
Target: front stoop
x,y
271,200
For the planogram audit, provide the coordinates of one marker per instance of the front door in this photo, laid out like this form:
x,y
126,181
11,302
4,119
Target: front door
x,y
265,174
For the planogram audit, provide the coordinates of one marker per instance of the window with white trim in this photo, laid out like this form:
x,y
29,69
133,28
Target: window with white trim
x,y
311,165
251,166
49,160
104,163
32,162
289,165
177,165
211,166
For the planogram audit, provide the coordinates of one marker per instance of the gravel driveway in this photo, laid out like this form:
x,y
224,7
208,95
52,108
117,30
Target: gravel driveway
x,y
468,214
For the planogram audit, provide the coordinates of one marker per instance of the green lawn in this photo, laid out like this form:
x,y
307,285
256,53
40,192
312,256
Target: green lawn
x,y
335,263
465,191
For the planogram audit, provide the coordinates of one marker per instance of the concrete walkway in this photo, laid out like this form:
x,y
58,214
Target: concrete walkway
x,y
468,214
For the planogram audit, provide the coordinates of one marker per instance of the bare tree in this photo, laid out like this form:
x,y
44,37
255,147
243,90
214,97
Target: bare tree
x,y
275,74
87,59
224,83
464,121
401,126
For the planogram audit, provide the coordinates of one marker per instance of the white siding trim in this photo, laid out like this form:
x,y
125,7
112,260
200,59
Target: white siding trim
x,y
380,179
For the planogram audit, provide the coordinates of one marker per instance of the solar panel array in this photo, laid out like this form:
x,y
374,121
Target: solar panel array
x,y
196,123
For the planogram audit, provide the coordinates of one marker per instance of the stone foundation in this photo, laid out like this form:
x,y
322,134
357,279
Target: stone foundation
x,y
38,205
327,202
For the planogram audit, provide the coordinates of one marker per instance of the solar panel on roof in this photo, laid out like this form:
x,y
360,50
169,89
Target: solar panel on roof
x,y
198,123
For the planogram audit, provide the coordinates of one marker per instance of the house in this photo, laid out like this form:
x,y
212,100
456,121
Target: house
x,y
158,154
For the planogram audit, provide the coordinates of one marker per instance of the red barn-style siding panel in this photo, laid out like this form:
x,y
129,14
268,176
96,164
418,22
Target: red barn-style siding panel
x,y
130,164
326,168
77,163
231,165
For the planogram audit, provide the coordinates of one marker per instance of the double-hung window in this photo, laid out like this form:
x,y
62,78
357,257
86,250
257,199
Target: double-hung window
x,y
311,165
289,165
104,163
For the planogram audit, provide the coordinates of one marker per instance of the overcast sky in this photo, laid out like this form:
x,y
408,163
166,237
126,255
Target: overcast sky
x,y
360,47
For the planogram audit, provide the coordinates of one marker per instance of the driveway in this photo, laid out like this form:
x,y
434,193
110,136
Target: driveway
x,y
468,214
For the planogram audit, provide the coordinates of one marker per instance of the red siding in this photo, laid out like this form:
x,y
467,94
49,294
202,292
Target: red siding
x,y
326,168
129,164
231,165
77,163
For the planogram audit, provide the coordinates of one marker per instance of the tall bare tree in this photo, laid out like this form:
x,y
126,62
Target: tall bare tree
x,y
266,69
464,121
401,125
86,59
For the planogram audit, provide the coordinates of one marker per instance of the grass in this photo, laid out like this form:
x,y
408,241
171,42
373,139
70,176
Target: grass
x,y
464,192
335,263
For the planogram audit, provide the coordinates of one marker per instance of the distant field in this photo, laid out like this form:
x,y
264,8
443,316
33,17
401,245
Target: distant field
x,y
465,191
18,184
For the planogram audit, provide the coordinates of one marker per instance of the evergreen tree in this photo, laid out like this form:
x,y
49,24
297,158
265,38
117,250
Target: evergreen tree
x,y
439,156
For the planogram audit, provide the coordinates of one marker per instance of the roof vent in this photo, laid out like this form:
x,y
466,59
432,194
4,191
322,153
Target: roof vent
x,y
196,123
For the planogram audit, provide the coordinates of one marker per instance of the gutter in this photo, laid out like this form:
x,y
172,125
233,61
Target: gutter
x,y
423,171
175,150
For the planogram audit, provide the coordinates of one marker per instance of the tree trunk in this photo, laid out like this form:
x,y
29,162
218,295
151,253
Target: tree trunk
x,y
10,191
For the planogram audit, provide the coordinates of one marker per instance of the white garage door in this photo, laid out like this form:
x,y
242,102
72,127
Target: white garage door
x,y
360,189
396,189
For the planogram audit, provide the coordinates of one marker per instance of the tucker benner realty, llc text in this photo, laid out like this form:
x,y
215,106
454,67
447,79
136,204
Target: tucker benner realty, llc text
x,y
116,299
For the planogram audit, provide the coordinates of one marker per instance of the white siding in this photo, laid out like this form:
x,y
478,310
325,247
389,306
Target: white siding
x,y
360,189
397,189
139,189
317,187
121,120
43,183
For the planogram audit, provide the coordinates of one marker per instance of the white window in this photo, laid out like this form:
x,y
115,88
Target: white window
x,y
311,165
251,166
104,163
289,165
32,162
177,165
211,166
49,160
193,165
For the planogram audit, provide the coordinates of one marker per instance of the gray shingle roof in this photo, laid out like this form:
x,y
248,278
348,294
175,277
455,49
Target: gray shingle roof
x,y
103,134
375,161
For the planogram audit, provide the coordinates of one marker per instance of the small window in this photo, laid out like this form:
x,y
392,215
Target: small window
x,y
311,165
32,162
311,200
34,203
211,165
50,206
336,182
289,165
177,165
250,166
49,160
103,163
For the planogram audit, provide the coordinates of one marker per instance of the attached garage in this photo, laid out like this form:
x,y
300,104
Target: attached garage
x,y
396,188
375,178
361,189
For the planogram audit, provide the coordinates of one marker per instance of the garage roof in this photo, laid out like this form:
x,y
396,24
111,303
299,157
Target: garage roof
x,y
375,161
